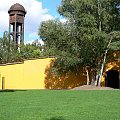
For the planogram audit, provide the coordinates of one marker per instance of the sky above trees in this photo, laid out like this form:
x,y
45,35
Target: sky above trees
x,y
37,11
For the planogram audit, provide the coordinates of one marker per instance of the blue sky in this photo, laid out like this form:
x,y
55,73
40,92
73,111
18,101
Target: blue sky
x,y
52,6
37,11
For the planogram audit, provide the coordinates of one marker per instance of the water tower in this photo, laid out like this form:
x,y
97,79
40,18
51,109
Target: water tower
x,y
16,24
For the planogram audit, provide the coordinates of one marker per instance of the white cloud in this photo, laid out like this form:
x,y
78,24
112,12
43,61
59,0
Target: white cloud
x,y
63,20
31,41
35,15
47,17
31,38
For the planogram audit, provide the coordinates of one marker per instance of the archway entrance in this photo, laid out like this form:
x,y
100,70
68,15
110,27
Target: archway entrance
x,y
112,79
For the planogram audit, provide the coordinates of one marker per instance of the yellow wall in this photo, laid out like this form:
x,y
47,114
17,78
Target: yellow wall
x,y
110,66
66,81
29,75
35,74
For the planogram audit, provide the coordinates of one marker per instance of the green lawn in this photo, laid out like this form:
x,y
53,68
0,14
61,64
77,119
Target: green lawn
x,y
60,105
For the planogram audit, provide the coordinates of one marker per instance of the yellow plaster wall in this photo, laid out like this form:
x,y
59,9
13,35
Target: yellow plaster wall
x,y
36,74
110,66
66,81
29,75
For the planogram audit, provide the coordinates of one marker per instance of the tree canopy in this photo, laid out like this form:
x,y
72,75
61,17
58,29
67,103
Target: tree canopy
x,y
86,38
9,55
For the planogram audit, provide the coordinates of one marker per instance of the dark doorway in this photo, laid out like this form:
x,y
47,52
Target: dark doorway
x,y
112,79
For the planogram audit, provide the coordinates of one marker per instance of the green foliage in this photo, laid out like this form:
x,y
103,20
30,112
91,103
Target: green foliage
x,y
89,13
92,48
83,40
53,33
9,55
33,50
47,52
66,62
36,53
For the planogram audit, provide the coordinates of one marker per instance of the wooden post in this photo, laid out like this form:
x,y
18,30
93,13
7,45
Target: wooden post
x,y
3,83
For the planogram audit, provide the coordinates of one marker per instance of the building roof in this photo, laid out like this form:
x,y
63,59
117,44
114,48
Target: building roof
x,y
17,7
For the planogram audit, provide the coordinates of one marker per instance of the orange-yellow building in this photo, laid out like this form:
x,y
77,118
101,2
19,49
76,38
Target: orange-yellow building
x,y
35,74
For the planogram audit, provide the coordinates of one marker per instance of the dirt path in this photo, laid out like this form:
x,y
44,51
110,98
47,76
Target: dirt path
x,y
91,87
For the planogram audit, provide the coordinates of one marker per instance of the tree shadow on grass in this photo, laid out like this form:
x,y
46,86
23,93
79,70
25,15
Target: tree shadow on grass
x,y
11,90
56,118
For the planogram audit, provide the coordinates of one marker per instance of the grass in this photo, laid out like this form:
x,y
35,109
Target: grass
x,y
60,105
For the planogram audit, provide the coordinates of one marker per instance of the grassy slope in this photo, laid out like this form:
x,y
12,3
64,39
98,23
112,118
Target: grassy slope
x,y
60,105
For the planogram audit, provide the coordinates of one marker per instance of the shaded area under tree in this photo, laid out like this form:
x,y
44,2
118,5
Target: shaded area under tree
x,y
66,81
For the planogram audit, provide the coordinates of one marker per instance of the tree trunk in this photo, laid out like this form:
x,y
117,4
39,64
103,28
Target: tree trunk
x,y
96,79
87,72
94,73
99,16
102,67
103,64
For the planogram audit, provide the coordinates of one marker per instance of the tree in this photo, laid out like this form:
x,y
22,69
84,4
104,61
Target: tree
x,y
33,50
9,55
97,19
87,35
85,38
4,47
114,36
55,36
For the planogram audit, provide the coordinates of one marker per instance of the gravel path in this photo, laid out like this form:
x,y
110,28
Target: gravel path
x,y
91,87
